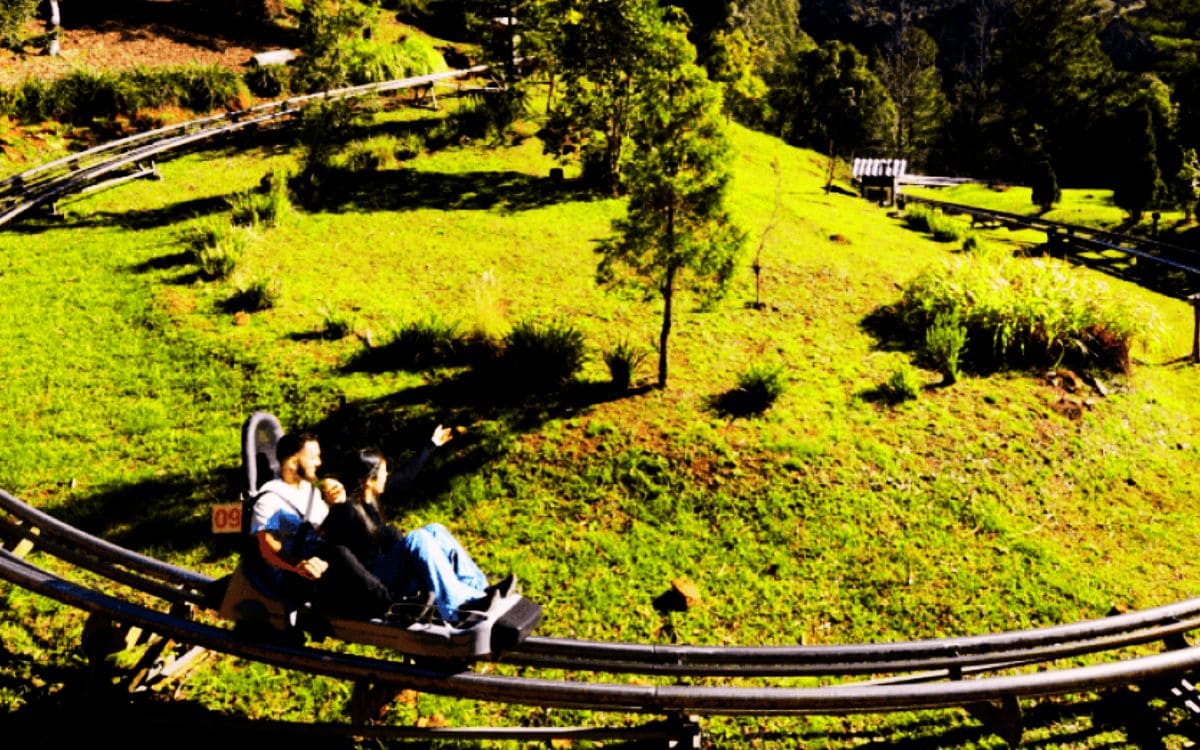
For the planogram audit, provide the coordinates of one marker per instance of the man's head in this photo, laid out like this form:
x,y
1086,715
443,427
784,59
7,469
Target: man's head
x,y
299,456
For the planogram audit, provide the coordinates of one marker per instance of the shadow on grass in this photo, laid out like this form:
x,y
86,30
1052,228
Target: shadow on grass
x,y
411,190
170,514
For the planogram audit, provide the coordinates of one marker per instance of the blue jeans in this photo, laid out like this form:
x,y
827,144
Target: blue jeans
x,y
431,559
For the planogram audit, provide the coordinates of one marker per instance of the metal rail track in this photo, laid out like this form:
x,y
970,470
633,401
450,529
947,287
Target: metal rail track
x,y
607,696
1173,256
928,659
104,164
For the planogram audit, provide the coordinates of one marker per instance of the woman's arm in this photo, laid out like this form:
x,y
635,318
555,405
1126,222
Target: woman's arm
x,y
405,476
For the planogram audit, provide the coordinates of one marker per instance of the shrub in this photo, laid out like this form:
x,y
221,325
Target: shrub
x,y
256,296
14,14
760,386
269,81
82,96
541,356
904,384
622,361
1027,312
944,342
203,88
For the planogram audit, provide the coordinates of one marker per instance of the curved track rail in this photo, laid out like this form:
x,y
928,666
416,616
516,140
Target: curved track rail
x,y
923,674
111,162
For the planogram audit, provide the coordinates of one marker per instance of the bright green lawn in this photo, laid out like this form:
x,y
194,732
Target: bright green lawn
x,y
833,518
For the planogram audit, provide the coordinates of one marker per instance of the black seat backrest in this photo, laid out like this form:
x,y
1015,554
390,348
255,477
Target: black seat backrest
x,y
260,433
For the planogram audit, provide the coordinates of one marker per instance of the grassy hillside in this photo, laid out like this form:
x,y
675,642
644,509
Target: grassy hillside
x,y
835,517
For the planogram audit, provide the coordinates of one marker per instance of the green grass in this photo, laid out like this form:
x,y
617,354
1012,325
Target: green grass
x,y
834,516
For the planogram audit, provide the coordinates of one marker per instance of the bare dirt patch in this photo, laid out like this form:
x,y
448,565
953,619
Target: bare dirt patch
x,y
164,37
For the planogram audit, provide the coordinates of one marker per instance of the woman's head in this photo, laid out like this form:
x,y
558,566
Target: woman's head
x,y
370,472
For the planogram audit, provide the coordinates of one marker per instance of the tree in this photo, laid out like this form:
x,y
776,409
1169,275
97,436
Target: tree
x,y
1139,181
676,229
325,27
831,96
1053,72
1185,184
603,50
908,68
1044,183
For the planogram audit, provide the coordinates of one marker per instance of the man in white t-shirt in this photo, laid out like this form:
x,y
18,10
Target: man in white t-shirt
x,y
288,513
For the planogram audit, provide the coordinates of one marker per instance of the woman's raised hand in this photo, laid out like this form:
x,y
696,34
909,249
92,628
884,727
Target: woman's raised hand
x,y
442,435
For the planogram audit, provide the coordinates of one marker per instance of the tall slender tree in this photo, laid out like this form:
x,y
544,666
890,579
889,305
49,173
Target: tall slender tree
x,y
909,70
1139,181
676,230
1054,73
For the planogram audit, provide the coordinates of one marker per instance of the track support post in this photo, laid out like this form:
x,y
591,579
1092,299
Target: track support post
x,y
1195,300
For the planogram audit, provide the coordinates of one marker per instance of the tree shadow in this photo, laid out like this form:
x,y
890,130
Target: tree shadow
x,y
170,514
343,190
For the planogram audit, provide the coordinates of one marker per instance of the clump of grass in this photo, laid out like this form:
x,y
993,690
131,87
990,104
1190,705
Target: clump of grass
x,y
335,325
216,248
623,361
944,342
425,343
757,389
540,357
904,384
380,152
266,207
489,313
761,386
1028,312
925,219
256,295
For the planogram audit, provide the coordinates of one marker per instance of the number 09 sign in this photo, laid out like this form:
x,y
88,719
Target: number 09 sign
x,y
227,518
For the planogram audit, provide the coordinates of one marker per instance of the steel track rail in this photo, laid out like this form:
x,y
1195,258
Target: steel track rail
x,y
49,181
1003,649
1097,238
602,696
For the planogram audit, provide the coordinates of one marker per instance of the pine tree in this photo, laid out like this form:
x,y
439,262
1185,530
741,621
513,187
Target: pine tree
x,y
1053,72
1044,184
909,71
1139,181
676,229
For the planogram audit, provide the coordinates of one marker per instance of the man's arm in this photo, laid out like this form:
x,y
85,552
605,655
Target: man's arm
x,y
272,551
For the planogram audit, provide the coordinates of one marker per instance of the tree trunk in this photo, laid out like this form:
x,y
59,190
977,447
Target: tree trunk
x,y
668,292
